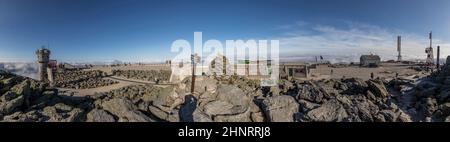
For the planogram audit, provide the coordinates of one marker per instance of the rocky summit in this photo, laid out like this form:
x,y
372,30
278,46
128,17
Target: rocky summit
x,y
78,79
231,99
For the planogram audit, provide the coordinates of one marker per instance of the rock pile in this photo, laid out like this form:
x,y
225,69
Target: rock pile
x,y
236,99
431,96
146,75
82,79
24,99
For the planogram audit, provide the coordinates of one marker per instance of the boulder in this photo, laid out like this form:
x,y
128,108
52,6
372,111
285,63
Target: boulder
x,y
242,117
378,89
30,116
125,110
403,117
307,105
233,96
203,84
275,91
99,115
44,99
219,107
199,116
389,115
310,93
61,113
428,106
355,85
22,88
160,96
230,105
170,117
257,117
76,115
280,108
11,105
329,111
445,108
447,119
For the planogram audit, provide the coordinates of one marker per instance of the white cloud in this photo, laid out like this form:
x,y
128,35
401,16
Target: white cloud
x,y
354,40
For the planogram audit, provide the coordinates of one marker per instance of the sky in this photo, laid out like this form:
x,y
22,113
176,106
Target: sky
x,y
143,30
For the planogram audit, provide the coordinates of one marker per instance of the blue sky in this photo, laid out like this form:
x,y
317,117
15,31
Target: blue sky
x,y
143,30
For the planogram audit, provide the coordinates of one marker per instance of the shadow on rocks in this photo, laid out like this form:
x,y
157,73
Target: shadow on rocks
x,y
188,108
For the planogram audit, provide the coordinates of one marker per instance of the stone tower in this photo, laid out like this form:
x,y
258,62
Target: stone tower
x,y
43,56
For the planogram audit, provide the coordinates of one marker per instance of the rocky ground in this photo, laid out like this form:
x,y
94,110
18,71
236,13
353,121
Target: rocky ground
x,y
236,99
23,99
81,79
146,75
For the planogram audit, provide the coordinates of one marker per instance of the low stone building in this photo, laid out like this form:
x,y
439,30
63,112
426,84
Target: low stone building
x,y
369,60
294,71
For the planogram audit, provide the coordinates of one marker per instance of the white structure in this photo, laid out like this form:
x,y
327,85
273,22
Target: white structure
x,y
399,48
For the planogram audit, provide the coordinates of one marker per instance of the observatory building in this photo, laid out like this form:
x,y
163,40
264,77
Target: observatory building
x,y
369,60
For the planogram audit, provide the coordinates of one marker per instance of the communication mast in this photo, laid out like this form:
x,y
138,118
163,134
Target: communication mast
x,y
429,51
399,48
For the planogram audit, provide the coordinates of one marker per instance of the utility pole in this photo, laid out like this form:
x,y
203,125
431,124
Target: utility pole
x,y
193,74
399,48
194,59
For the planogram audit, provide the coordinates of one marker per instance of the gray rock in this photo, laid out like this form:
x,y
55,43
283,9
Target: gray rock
x,y
280,108
44,99
275,91
230,105
12,105
389,115
125,110
99,115
52,114
203,84
307,106
160,97
378,89
428,106
445,108
219,108
8,96
22,117
329,111
199,116
447,119
257,117
356,85
379,118
61,113
242,117
403,117
443,96
234,96
170,117
310,93
76,115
